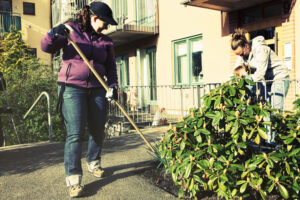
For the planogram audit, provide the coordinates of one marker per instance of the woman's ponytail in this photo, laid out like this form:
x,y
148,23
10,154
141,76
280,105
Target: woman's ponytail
x,y
239,38
83,18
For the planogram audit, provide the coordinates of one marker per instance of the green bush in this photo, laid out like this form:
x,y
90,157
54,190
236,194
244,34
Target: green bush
x,y
26,78
217,147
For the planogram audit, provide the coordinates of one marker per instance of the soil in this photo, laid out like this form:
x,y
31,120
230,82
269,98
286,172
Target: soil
x,y
162,179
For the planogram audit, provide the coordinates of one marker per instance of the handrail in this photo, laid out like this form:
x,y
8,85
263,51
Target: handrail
x,y
49,112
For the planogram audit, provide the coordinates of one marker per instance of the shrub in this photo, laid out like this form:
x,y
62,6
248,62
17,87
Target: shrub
x,y
221,147
26,78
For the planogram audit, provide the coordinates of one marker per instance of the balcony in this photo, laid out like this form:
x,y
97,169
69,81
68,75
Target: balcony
x,y
136,20
7,19
62,10
224,5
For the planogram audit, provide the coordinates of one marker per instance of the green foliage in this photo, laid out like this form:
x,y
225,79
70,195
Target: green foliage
x,y
216,147
26,79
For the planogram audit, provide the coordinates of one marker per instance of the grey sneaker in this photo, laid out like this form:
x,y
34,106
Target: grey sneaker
x,y
75,191
95,169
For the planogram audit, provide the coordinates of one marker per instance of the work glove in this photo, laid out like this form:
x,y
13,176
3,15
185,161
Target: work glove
x,y
112,93
59,30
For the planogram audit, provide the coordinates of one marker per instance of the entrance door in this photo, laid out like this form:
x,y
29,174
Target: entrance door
x,y
123,76
147,88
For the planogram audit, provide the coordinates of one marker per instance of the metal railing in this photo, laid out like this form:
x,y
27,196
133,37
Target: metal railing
x,y
63,10
49,112
144,16
143,19
170,103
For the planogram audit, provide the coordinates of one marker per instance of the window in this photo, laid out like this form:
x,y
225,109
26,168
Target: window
x,y
145,12
123,68
28,8
264,11
188,60
5,6
151,56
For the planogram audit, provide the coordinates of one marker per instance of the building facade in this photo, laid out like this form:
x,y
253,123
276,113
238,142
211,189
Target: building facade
x,y
169,53
32,17
277,20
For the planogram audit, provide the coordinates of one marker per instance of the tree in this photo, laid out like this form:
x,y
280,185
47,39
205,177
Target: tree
x,y
26,78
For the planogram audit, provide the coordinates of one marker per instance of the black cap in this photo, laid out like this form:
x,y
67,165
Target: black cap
x,y
103,11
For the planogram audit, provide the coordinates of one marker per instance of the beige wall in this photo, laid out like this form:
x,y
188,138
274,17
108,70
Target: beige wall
x,y
34,27
297,38
177,22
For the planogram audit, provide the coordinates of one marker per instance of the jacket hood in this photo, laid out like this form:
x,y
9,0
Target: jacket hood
x,y
259,40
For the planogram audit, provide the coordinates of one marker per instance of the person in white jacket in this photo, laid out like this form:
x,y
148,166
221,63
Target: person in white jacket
x,y
270,73
266,65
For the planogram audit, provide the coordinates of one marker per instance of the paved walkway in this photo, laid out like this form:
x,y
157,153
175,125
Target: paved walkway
x,y
36,171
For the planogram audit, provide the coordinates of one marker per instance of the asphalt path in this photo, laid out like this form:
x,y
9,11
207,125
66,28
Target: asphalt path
x,y
36,171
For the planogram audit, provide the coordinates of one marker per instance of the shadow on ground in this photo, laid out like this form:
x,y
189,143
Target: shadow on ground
x,y
94,187
29,159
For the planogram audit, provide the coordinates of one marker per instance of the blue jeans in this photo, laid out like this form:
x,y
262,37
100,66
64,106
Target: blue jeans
x,y
275,93
81,107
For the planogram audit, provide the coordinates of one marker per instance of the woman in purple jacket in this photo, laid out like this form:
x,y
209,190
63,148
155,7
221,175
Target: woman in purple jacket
x,y
81,96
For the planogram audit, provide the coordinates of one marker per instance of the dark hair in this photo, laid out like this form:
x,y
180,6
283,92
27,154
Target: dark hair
x,y
238,38
83,18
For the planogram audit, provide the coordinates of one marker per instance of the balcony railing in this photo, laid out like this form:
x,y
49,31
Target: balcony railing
x,y
7,19
62,10
171,103
143,19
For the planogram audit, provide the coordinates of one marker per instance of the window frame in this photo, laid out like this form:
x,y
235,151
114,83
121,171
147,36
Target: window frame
x,y
28,3
189,55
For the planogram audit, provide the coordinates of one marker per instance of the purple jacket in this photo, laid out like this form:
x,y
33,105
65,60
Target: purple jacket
x,y
98,48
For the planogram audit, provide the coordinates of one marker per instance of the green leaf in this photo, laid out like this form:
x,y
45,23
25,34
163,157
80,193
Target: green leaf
x,y
204,164
235,128
199,139
264,113
249,111
228,102
207,102
283,191
262,194
182,145
262,133
222,158
200,122
241,83
244,122
212,180
205,131
232,91
242,144
270,189
197,178
294,152
239,167
210,115
188,170
243,188
217,102
288,141
240,182
233,193
216,120
296,187
287,168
